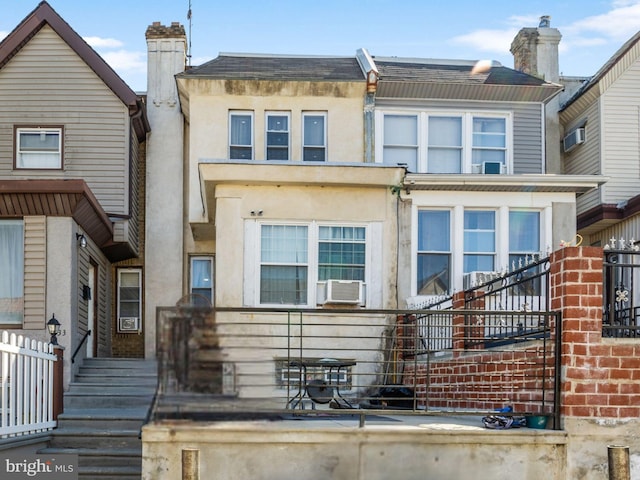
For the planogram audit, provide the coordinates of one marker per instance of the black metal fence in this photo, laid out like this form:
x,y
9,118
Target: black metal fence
x,y
248,362
621,302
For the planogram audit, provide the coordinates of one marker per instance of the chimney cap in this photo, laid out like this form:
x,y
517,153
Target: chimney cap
x,y
545,21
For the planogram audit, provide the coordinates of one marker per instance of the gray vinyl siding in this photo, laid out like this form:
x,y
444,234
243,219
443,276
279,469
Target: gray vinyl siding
x,y
47,83
528,143
621,136
35,272
585,158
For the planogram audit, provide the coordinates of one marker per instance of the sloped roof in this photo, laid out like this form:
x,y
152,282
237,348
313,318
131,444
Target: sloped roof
x,y
237,66
608,65
456,79
44,14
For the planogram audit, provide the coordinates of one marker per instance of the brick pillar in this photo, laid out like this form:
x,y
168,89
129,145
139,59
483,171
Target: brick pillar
x,y
587,375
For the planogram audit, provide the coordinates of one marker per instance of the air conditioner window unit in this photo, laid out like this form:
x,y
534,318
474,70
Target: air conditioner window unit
x,y
128,325
573,139
492,167
344,291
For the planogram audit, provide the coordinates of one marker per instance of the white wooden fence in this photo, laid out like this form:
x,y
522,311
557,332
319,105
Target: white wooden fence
x,y
26,386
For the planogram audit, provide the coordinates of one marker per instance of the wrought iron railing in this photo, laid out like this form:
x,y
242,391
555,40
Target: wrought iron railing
x,y
279,362
621,290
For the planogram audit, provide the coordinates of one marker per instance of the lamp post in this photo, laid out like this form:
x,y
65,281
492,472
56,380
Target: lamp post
x,y
53,325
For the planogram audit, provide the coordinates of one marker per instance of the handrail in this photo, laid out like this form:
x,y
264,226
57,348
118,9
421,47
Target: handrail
x,y
84,339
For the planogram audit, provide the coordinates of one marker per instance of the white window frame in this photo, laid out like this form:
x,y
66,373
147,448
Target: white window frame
x,y
195,289
250,145
449,253
467,117
493,254
267,146
314,286
451,202
323,146
14,287
137,271
31,158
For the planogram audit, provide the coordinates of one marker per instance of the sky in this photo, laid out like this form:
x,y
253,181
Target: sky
x,y
592,30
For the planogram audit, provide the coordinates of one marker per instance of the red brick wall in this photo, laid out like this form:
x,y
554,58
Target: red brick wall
x,y
599,377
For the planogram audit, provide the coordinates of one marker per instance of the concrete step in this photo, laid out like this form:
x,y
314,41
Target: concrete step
x,y
89,400
135,378
89,437
109,472
117,418
111,389
101,457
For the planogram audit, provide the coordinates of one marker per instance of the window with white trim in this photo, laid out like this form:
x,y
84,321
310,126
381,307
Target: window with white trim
x,y
314,137
295,260
277,140
401,140
479,241
434,252
241,135
38,147
129,292
12,277
201,282
447,142
453,242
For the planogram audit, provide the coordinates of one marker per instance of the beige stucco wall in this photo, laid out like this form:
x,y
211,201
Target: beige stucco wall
x,y
209,102
314,450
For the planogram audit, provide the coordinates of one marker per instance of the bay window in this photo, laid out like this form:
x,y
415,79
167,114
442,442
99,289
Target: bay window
x,y
12,277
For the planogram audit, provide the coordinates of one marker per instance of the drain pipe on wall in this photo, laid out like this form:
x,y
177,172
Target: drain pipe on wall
x,y
619,462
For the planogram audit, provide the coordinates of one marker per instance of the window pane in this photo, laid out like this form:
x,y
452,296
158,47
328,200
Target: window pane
x,y
283,284
479,237
479,156
433,274
401,130
311,154
434,269
407,156
433,231
341,253
313,130
445,145
12,277
241,129
524,232
39,148
283,273
201,276
277,123
129,294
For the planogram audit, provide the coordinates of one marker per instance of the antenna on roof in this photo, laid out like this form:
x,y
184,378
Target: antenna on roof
x,y
189,46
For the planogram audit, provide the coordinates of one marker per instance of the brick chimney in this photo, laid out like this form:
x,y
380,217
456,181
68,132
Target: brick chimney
x,y
535,51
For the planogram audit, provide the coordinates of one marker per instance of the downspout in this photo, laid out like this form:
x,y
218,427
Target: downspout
x,y
370,71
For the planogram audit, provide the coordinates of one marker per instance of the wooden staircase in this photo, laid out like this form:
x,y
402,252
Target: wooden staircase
x,y
104,410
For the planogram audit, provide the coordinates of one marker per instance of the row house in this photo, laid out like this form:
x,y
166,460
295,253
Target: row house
x,y
360,182
72,137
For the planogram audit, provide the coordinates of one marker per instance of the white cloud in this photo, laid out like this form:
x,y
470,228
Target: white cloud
x,y
618,24
497,41
99,42
123,60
